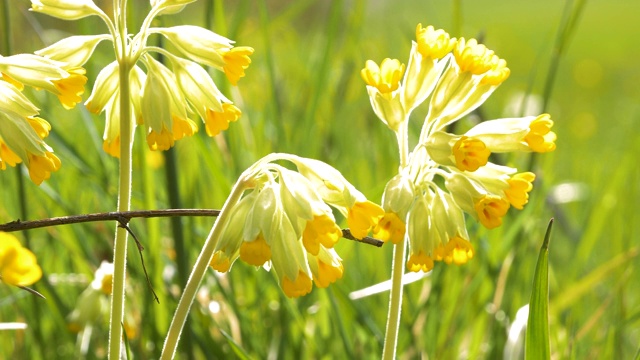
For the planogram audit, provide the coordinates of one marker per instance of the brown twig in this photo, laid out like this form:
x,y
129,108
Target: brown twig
x,y
19,225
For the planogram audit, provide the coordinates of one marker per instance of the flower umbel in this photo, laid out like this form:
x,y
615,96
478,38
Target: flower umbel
x,y
448,174
286,222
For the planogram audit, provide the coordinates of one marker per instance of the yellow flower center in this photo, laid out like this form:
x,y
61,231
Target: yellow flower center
x,y
470,154
71,88
217,121
473,57
458,251
433,43
519,188
220,262
420,262
362,217
255,252
385,78
106,284
298,287
41,167
540,137
490,210
236,60
327,274
390,227
321,230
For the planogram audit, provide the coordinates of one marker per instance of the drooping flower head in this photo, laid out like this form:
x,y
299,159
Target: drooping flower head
x,y
447,175
287,221
164,98
22,132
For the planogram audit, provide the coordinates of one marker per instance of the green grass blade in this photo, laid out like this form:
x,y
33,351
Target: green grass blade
x,y
537,338
237,349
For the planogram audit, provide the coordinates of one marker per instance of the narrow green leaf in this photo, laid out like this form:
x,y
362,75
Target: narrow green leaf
x,y
237,349
537,338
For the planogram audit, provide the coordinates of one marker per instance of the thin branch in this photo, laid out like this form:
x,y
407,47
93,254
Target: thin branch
x,y
118,216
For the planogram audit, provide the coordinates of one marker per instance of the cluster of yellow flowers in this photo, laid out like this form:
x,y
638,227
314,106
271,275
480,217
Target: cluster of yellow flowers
x,y
162,100
18,265
286,221
22,132
457,76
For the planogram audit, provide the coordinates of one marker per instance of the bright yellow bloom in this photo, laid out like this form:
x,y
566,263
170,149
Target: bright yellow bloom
x,y
217,121
255,252
433,43
420,262
326,268
18,265
497,74
41,167
7,157
363,217
160,141
386,77
390,227
470,153
322,230
220,262
300,286
540,137
490,210
473,57
519,188
71,88
458,251
236,60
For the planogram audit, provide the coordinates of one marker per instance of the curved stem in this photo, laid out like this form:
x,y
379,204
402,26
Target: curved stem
x,y
199,270
124,199
397,266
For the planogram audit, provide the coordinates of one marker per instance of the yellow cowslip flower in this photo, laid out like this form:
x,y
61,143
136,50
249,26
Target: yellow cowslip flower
x,y
164,111
217,121
66,9
285,223
519,188
429,55
362,215
209,48
433,43
473,57
386,77
67,83
236,61
530,133
22,134
446,174
326,268
384,88
18,265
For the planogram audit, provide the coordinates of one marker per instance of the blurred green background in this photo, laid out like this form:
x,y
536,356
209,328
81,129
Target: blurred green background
x,y
303,94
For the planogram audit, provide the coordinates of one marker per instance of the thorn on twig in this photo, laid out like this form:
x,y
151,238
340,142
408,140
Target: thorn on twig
x,y
122,222
32,291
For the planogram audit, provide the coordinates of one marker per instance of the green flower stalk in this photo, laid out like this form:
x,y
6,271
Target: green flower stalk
x,y
282,220
161,100
446,175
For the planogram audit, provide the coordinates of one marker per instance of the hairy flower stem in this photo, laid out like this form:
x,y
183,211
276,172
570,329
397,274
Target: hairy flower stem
x,y
397,266
124,200
199,270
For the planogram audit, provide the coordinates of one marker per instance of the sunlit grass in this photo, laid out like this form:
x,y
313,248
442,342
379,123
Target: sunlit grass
x,y
303,94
